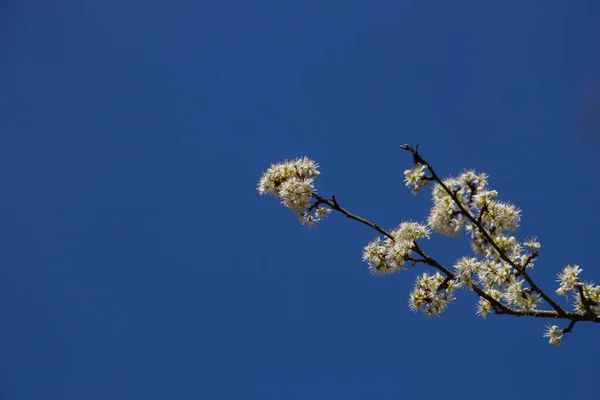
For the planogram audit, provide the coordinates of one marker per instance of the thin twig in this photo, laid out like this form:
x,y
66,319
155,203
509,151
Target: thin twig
x,y
332,202
569,329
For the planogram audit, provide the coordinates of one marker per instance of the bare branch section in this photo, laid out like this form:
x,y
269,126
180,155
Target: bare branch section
x,y
332,202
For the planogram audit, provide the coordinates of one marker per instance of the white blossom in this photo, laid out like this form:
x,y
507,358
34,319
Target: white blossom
x,y
483,198
464,201
502,215
427,296
591,295
472,179
520,297
568,278
376,255
465,269
322,212
479,243
444,218
308,219
532,244
507,244
389,255
414,177
293,183
276,174
484,307
410,231
554,334
296,193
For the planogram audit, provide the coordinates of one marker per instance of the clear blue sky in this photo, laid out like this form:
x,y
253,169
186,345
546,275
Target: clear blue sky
x,y
137,260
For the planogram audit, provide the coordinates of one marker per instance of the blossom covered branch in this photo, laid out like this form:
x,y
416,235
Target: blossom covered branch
x,y
498,273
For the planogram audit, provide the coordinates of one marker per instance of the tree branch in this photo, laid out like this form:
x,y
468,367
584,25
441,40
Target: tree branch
x,y
332,202
499,308
477,222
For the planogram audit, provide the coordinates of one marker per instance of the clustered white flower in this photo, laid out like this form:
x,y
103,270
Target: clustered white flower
x,y
498,280
293,183
570,283
445,216
502,262
493,273
414,177
429,295
554,334
568,279
389,255
470,190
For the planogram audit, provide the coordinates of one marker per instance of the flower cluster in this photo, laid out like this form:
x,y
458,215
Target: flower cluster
x,y
429,294
484,307
414,177
568,279
586,295
499,281
588,300
554,334
499,271
389,255
519,297
293,183
460,201
470,191
445,216
467,195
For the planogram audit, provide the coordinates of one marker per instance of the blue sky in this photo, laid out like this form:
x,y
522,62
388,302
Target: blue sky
x,y
138,261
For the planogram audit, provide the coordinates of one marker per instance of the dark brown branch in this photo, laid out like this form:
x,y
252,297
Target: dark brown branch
x,y
332,202
432,262
569,329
